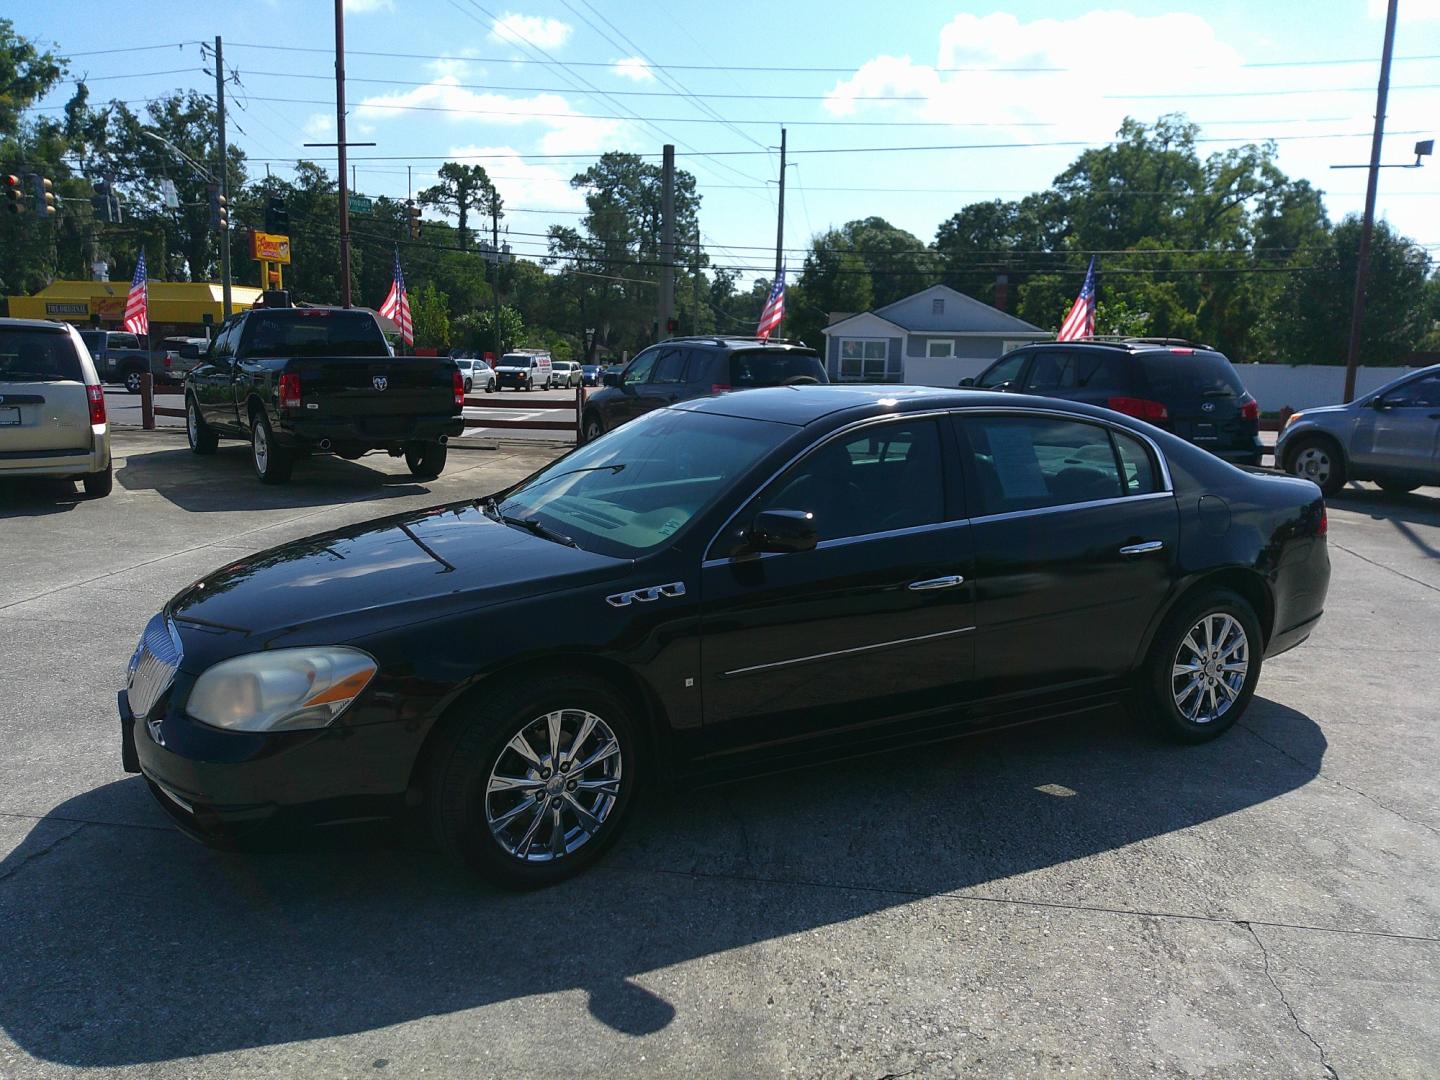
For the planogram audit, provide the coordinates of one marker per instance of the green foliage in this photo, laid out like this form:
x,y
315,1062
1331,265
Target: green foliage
x,y
463,190
430,310
26,74
476,330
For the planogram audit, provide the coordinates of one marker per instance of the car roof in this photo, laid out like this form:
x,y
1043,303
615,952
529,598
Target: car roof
x,y
801,405
1129,346
734,342
32,324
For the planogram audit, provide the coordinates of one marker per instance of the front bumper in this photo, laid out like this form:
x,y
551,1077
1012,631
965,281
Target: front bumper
x,y
506,378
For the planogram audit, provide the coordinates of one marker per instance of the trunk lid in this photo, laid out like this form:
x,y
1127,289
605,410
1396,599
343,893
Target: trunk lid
x,y
43,402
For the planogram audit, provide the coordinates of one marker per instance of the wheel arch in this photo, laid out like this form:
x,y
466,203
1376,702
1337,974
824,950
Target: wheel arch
x,y
1319,435
1248,583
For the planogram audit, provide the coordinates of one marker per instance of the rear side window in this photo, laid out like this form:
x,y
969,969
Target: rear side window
x,y
670,366
1028,462
38,356
1070,372
774,368
1137,470
1174,376
317,332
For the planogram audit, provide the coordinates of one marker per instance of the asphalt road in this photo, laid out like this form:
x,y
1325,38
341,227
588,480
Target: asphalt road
x,y
1069,899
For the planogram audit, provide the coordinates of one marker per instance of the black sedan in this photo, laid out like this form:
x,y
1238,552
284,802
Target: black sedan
x,y
730,585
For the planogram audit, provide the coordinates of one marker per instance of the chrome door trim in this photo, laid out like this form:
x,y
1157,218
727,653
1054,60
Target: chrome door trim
x,y
1143,549
1062,507
947,582
845,541
842,652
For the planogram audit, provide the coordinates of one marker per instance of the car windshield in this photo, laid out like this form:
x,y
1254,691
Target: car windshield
x,y
636,488
774,368
38,356
314,332
1176,377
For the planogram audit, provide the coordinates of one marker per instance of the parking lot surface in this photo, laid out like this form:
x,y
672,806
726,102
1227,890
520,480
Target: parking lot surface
x,y
1067,899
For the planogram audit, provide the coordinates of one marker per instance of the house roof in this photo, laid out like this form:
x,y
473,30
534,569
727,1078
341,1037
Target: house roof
x,y
860,315
962,315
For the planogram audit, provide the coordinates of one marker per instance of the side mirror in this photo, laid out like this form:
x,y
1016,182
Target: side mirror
x,y
782,531
967,381
1382,403
610,378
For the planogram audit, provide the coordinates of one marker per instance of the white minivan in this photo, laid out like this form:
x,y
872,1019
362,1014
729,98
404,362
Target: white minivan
x,y
52,406
524,369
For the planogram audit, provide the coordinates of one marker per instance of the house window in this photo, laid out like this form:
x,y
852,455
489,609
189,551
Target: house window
x,y
1010,346
939,348
937,306
865,360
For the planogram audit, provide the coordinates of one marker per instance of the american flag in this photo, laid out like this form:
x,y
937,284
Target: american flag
x,y
137,307
774,312
1080,323
396,307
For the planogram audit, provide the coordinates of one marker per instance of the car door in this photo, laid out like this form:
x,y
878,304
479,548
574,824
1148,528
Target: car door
x,y
212,381
627,403
1399,435
1075,532
872,624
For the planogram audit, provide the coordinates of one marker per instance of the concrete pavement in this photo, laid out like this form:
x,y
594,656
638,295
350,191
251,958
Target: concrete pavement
x,y
1068,899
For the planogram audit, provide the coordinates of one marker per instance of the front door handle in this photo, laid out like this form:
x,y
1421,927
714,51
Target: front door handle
x,y
937,583
1143,549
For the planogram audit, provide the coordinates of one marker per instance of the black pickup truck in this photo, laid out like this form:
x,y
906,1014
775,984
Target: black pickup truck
x,y
296,381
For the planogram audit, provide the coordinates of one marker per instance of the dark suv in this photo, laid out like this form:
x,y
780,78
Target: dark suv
x,y
1191,390
683,368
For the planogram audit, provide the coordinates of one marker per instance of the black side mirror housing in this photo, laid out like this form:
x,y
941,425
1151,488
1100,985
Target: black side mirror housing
x,y
783,531
610,378
967,381
1379,402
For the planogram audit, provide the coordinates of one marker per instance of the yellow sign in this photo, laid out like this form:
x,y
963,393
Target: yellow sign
x,y
270,247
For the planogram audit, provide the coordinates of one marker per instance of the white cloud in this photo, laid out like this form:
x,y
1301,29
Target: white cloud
x,y
538,30
319,126
522,184
359,7
634,69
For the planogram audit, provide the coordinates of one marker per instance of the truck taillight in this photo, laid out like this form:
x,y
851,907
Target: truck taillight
x,y
720,388
459,384
1140,408
290,390
96,394
1250,410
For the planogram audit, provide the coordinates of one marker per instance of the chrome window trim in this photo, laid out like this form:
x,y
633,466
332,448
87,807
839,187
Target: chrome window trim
x,y
845,541
1168,488
772,665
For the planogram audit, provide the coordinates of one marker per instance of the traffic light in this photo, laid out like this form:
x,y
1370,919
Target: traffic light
x,y
277,217
412,217
105,202
40,187
14,195
219,211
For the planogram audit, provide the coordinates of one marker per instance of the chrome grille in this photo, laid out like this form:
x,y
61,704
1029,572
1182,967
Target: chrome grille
x,y
153,667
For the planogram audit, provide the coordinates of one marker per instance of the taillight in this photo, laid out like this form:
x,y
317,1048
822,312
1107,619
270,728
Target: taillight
x,y
720,388
459,385
1324,527
290,390
1140,408
1250,410
169,359
96,394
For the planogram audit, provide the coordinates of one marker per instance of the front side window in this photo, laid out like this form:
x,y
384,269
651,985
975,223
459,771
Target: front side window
x,y
640,368
1030,462
891,477
669,366
126,341
1007,370
1424,391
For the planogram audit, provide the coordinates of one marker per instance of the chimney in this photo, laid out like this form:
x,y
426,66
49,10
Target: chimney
x,y
1002,291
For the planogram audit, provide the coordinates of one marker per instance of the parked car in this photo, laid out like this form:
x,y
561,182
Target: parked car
x,y
1390,436
590,374
119,357
565,373
476,373
682,369
523,371
52,406
297,381
1192,390
726,586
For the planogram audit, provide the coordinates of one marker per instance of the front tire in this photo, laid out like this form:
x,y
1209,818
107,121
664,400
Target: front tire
x,y
132,380
426,460
202,439
594,427
1203,666
272,462
1317,459
530,785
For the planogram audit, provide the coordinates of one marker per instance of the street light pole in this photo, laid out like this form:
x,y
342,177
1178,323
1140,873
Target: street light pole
x,y
340,141
223,181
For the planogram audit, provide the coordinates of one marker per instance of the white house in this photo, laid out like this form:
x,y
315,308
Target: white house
x,y
934,338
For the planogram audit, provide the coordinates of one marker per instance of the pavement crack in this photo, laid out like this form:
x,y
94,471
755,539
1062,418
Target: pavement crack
x,y
1265,956
40,853
1382,566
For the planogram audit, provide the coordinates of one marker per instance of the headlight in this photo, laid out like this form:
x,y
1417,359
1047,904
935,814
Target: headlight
x,y
1291,419
281,690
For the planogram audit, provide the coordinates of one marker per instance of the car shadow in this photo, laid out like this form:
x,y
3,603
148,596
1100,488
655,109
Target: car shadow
x,y
225,481
20,497
129,946
1404,511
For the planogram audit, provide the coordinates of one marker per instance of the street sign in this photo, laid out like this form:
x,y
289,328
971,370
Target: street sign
x,y
361,204
170,196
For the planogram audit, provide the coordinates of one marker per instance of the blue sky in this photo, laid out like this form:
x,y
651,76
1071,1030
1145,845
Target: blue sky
x,y
1245,71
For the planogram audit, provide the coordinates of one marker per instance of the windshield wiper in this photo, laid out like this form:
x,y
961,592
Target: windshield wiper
x,y
572,472
536,528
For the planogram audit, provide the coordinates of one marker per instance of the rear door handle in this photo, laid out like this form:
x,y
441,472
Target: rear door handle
x,y
1144,548
937,583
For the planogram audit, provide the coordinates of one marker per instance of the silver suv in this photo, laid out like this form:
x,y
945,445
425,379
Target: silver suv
x,y
52,406
1391,436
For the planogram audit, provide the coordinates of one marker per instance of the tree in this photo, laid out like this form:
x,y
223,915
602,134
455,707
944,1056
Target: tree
x,y
26,74
463,189
475,330
430,311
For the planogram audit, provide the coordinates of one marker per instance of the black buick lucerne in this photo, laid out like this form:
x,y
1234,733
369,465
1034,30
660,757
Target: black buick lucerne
x,y
728,585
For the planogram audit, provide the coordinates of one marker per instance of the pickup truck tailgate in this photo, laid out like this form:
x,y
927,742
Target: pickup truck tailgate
x,y
381,393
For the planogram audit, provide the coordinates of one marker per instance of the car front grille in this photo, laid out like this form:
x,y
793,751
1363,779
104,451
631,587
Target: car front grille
x,y
153,667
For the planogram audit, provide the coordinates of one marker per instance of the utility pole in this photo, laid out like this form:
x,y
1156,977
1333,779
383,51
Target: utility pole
x,y
667,241
340,140
495,243
1367,229
780,229
223,177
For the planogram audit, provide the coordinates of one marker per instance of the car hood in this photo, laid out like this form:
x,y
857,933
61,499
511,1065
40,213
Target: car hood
x,y
1328,410
340,585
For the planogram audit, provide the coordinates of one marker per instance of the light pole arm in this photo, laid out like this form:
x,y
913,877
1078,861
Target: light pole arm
x,y
204,172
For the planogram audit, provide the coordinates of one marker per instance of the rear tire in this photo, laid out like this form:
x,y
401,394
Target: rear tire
x,y
1396,487
467,386
467,810
490,387
132,380
202,439
100,484
594,427
1317,459
1203,666
272,463
426,460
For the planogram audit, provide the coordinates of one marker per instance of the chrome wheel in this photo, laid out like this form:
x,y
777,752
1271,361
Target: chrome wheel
x,y
1209,669
132,381
192,424
260,445
1312,463
553,785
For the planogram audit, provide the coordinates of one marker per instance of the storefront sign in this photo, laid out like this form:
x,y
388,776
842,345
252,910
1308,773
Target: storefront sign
x,y
270,247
